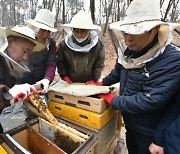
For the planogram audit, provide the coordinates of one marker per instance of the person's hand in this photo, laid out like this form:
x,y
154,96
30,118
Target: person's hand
x,y
107,97
22,91
99,83
44,84
155,149
67,79
90,82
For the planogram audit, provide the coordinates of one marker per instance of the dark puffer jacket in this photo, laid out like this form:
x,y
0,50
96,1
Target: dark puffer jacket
x,y
172,137
146,93
78,66
167,134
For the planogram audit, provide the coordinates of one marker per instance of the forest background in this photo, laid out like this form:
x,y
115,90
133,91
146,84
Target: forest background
x,y
15,12
103,12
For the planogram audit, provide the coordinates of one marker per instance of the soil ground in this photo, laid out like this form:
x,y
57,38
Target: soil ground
x,y
110,53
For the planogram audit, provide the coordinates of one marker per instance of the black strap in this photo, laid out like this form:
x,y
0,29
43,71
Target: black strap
x,y
177,31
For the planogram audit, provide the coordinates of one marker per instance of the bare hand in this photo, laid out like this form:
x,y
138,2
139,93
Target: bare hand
x,y
155,149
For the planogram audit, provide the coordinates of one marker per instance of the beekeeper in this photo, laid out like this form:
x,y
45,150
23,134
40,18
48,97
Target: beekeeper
x,y
80,56
148,69
16,45
42,64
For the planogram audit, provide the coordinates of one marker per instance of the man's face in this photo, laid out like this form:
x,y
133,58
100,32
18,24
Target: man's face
x,y
138,42
19,49
80,33
43,35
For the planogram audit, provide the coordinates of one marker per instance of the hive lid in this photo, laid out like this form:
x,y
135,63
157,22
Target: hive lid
x,y
78,89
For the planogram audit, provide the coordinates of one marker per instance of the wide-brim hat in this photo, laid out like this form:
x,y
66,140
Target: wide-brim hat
x,y
26,33
140,17
82,20
44,20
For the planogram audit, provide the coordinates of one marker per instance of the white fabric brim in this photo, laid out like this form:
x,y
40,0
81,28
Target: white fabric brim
x,y
3,46
135,28
68,27
3,39
40,25
86,48
14,63
38,46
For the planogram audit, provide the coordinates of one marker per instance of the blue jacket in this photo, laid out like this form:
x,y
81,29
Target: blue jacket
x,y
147,92
172,137
167,133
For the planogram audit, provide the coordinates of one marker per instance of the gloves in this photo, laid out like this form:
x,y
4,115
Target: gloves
x,y
67,79
96,83
99,83
45,85
21,91
90,82
107,97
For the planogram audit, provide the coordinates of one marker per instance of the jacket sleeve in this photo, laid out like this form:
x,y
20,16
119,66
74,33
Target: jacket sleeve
x,y
169,117
51,61
61,61
113,77
158,89
5,97
99,63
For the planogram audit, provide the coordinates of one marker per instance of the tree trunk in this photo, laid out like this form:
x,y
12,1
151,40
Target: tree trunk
x,y
44,4
174,13
107,18
63,15
161,3
14,12
100,12
168,9
92,8
57,11
3,7
118,10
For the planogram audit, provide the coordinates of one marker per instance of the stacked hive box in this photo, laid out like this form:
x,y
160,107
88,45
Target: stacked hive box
x,y
89,114
39,136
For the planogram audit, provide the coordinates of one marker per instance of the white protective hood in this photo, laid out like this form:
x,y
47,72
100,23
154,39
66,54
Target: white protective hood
x,y
17,69
69,42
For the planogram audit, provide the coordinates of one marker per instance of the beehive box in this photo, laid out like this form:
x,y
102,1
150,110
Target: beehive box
x,y
2,150
107,135
88,103
42,138
111,145
88,118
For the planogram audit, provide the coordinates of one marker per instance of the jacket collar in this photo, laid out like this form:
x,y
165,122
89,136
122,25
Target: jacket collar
x,y
164,38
